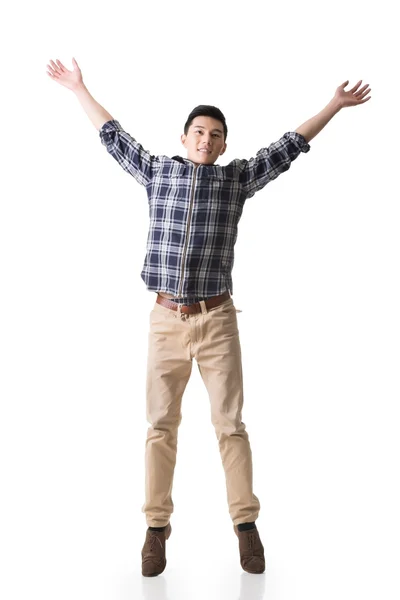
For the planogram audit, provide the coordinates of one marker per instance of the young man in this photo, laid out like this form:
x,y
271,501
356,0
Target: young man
x,y
195,206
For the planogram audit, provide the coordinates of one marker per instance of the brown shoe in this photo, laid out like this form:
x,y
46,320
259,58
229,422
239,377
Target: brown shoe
x,y
251,550
153,552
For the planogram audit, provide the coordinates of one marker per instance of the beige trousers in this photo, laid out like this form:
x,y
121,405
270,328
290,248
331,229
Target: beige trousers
x,y
212,338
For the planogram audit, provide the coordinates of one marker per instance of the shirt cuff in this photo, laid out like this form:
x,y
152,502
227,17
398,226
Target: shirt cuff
x,y
299,140
112,125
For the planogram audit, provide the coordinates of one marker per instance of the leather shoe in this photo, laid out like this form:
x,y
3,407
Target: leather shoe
x,y
153,552
251,550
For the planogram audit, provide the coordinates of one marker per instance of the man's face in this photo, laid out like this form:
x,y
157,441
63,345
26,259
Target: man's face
x,y
204,141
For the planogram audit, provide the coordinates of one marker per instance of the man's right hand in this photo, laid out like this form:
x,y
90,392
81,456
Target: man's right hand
x,y
69,79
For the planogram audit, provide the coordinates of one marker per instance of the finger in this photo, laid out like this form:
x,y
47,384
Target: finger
x,y
366,100
60,65
365,93
344,84
361,93
51,70
55,66
356,86
362,89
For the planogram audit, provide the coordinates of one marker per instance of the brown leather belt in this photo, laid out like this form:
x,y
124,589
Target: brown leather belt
x,y
196,307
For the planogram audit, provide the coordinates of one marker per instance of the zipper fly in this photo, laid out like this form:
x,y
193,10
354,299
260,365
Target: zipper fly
x,y
187,231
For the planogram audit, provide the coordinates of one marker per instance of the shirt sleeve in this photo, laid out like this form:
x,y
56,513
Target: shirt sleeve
x,y
127,151
271,161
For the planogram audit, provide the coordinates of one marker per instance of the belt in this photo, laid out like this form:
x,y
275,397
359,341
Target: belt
x,y
196,306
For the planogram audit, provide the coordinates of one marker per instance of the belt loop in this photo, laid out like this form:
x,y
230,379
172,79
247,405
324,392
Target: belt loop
x,y
203,307
178,311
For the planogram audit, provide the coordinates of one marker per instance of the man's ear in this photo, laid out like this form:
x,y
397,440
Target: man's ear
x,y
183,139
222,150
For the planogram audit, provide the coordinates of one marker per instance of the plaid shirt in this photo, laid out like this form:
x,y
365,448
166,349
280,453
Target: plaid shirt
x,y
195,210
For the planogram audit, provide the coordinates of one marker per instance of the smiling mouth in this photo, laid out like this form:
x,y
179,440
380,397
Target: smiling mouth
x,y
204,151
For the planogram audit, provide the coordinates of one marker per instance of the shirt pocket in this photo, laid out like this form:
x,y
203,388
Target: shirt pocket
x,y
169,177
168,188
222,177
224,193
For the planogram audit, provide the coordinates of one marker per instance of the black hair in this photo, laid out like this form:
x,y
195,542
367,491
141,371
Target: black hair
x,y
205,110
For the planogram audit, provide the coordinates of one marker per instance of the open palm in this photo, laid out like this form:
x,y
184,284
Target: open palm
x,y
352,97
69,79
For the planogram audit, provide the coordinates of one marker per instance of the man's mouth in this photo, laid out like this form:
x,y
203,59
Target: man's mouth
x,y
204,151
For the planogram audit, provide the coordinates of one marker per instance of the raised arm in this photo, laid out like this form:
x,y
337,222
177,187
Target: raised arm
x,y
277,158
73,81
132,157
341,99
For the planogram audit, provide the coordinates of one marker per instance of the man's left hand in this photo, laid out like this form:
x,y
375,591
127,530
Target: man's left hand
x,y
352,97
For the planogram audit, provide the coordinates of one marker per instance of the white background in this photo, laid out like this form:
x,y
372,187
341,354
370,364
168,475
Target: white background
x,y
316,275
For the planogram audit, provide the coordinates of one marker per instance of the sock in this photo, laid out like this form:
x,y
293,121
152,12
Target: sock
x,y
157,528
246,526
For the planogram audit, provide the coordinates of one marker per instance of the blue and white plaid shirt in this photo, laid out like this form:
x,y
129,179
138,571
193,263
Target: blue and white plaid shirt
x,y
195,210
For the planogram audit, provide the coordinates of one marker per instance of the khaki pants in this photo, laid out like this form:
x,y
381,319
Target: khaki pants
x,y
212,338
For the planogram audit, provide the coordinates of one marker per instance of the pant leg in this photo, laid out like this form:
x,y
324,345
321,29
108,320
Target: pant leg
x,y
218,354
169,365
